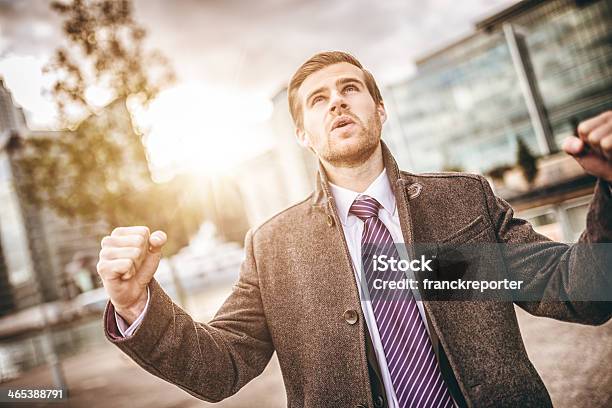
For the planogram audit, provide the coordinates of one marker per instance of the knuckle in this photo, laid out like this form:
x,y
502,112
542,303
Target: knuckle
x,y
102,268
583,127
105,241
121,267
116,268
104,253
140,240
593,137
137,252
110,253
130,264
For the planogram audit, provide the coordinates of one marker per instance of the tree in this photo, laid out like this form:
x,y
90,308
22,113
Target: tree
x,y
98,169
526,161
497,172
106,50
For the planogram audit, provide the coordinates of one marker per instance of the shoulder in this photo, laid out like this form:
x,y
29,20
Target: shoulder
x,y
444,175
458,179
285,220
451,189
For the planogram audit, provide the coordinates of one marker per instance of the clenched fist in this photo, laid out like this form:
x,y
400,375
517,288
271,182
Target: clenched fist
x,y
593,146
128,259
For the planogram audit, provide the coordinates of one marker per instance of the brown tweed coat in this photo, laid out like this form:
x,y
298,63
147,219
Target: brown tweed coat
x,y
297,295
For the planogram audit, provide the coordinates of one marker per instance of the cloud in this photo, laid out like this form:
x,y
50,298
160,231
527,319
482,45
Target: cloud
x,y
29,26
274,37
256,46
24,77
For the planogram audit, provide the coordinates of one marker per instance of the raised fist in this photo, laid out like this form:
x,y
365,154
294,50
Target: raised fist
x,y
128,260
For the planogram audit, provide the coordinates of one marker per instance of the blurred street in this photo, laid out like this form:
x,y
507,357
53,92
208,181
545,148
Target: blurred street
x,y
571,359
107,378
104,376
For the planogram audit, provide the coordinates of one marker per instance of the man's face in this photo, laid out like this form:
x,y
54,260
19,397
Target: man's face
x,y
341,122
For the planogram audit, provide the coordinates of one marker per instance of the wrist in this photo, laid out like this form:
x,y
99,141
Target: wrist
x,y
131,312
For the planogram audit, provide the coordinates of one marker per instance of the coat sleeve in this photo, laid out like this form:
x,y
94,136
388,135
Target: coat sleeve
x,y
210,361
566,282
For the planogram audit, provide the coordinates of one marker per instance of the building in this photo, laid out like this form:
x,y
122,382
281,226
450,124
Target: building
x,y
16,267
532,71
281,176
36,245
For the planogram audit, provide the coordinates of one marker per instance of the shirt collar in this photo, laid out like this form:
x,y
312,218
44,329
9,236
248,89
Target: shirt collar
x,y
380,189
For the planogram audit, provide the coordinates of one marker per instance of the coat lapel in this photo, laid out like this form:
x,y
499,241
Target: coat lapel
x,y
404,189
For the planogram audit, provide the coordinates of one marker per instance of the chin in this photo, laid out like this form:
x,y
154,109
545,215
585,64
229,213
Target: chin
x,y
352,150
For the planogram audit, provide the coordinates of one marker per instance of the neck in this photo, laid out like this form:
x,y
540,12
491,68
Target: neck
x,y
356,178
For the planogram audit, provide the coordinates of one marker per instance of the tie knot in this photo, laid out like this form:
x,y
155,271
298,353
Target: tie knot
x,y
365,207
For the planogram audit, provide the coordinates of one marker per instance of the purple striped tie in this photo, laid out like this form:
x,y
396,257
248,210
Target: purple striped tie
x,y
414,370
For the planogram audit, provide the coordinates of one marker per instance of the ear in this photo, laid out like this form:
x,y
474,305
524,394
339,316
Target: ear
x,y
382,112
302,138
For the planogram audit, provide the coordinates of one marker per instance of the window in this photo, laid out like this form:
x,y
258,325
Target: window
x,y
12,230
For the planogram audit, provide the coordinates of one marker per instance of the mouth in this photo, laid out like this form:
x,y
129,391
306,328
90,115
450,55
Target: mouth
x,y
341,122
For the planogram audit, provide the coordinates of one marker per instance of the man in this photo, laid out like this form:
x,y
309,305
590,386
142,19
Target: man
x,y
300,292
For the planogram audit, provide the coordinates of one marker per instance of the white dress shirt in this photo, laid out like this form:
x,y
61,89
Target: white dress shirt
x,y
123,326
380,189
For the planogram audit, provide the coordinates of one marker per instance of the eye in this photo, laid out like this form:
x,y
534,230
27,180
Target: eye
x,y
317,99
350,88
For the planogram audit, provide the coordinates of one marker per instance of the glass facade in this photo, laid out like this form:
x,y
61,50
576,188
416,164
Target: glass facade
x,y
560,222
464,109
571,51
12,229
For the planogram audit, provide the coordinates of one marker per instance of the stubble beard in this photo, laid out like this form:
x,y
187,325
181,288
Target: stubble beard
x,y
356,153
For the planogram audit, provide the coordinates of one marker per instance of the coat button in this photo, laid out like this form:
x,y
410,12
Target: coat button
x,y
351,316
330,220
379,402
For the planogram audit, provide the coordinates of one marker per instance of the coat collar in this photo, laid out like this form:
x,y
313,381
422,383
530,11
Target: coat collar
x,y
379,189
323,197
403,184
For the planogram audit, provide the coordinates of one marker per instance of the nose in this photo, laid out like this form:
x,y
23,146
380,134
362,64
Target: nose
x,y
337,103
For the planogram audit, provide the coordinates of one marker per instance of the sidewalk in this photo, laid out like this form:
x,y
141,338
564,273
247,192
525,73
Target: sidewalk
x,y
107,378
573,360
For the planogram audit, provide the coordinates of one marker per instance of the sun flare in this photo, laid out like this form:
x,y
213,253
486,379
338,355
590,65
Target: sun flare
x,y
198,128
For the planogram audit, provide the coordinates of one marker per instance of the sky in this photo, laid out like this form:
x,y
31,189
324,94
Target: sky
x,y
243,50
246,45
